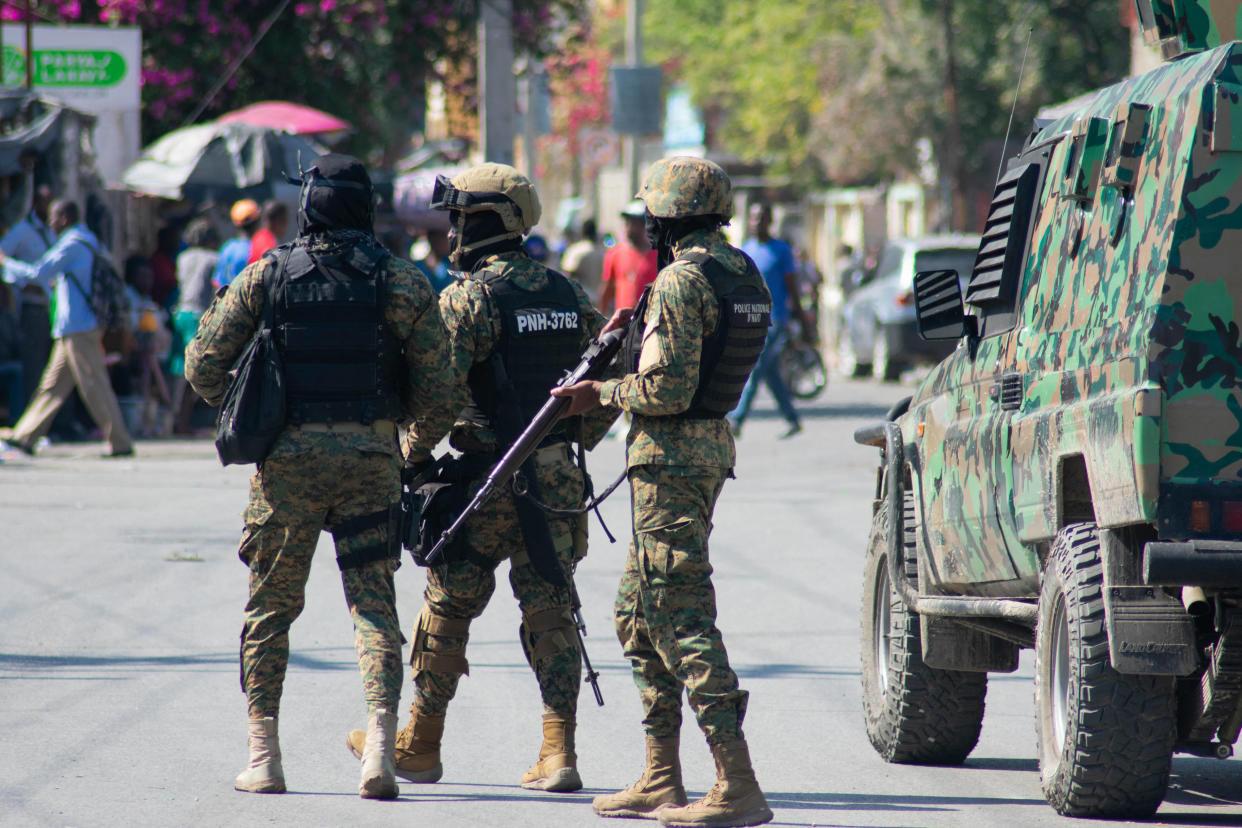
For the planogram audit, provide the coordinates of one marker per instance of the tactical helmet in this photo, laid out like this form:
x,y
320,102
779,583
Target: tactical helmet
x,y
498,188
683,186
336,194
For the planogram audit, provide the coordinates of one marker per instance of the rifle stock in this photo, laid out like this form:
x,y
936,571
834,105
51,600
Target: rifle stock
x,y
591,365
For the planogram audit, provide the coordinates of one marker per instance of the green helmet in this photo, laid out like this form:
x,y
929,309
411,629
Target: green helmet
x,y
498,188
683,186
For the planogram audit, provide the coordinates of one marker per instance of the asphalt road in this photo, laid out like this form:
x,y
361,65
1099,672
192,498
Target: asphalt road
x,y
120,607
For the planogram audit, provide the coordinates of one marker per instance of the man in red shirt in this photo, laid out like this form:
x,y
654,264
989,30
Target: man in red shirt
x,y
275,223
630,264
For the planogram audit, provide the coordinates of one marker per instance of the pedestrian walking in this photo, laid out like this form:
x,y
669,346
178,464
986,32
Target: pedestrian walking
x,y
336,464
695,337
27,241
514,326
775,261
77,358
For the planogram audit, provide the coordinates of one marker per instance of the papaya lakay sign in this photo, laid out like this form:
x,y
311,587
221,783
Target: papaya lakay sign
x,y
92,68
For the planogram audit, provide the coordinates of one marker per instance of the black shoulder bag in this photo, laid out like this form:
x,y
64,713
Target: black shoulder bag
x,y
253,411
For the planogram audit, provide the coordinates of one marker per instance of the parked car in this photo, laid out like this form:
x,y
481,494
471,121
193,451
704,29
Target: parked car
x,y
877,333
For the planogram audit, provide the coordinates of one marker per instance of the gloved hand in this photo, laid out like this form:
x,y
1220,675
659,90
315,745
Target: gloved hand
x,y
412,469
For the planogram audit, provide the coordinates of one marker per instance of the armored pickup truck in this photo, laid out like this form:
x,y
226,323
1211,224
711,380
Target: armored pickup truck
x,y
1069,479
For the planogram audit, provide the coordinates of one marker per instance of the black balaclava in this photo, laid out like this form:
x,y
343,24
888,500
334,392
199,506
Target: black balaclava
x,y
336,195
663,233
478,227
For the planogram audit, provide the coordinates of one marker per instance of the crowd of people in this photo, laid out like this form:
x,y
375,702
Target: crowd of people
x,y
139,390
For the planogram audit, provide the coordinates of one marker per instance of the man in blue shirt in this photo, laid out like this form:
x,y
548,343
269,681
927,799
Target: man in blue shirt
x,y
27,241
235,253
775,261
77,353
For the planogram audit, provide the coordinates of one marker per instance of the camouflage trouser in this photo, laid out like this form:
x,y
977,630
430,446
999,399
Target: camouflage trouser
x,y
292,498
666,606
458,592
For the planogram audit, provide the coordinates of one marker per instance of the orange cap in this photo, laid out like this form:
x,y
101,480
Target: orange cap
x,y
244,212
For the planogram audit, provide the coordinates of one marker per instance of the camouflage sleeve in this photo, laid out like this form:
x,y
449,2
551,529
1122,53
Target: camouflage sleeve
x,y
470,331
223,332
413,312
672,342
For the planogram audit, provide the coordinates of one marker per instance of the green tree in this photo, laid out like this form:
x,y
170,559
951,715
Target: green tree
x,y
846,91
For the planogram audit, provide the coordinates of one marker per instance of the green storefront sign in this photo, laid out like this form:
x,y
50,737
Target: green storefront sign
x,y
63,67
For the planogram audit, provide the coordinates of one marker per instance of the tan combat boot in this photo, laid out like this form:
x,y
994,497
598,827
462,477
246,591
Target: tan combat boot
x,y
557,768
378,772
659,785
734,800
264,773
417,753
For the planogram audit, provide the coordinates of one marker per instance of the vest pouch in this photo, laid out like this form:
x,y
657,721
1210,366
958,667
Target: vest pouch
x,y
253,412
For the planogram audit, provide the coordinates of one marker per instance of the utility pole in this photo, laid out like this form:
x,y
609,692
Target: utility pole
x,y
29,21
530,126
633,57
497,85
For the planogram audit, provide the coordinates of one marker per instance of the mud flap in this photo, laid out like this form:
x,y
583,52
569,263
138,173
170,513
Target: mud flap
x,y
1149,632
948,645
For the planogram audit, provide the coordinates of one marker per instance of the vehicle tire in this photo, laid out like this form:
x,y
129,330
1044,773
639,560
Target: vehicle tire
x,y
914,714
803,370
883,365
847,358
1105,739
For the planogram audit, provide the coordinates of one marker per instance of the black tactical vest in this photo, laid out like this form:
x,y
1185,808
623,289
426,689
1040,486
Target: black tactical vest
x,y
731,352
342,363
541,337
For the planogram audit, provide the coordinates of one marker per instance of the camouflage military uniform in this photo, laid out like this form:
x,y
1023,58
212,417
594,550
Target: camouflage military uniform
x,y
315,477
460,589
666,607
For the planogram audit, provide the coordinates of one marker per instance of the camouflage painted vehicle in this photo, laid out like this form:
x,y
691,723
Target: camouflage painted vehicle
x,y
1070,478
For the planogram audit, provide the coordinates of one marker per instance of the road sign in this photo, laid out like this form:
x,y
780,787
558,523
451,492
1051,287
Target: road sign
x,y
599,147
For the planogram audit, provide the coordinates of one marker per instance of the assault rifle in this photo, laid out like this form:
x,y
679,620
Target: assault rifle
x,y
592,676
592,364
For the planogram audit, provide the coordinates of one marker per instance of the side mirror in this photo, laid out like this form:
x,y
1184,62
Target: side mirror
x,y
939,309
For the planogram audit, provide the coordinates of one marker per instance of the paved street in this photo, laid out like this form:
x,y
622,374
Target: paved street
x,y
120,607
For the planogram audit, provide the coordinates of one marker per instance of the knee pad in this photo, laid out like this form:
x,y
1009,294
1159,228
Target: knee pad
x,y
442,659
555,630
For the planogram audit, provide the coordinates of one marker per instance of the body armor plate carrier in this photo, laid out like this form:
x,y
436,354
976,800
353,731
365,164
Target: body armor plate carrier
x,y
541,337
342,363
733,349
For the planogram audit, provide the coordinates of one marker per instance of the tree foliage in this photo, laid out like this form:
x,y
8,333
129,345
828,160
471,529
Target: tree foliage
x,y
843,90
364,60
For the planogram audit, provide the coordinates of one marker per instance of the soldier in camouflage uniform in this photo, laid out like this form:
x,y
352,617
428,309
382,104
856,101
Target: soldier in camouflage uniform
x,y
336,464
510,317
695,338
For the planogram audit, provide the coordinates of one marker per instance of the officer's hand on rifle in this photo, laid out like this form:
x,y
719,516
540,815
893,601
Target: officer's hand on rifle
x,y
619,319
583,396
